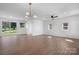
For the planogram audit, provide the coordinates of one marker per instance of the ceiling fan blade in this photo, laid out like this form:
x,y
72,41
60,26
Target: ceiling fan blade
x,y
54,16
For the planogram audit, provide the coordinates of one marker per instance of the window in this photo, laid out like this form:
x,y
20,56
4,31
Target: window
x,y
65,26
22,25
50,27
8,28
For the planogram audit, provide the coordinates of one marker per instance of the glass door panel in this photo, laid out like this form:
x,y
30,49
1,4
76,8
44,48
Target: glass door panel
x,y
8,28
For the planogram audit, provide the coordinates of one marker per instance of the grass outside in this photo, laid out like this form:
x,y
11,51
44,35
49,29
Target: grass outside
x,y
9,33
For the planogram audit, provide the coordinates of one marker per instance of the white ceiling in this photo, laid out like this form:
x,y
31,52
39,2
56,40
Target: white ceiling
x,y
40,9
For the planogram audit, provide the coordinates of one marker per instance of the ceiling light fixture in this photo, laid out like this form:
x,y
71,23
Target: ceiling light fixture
x,y
29,13
34,16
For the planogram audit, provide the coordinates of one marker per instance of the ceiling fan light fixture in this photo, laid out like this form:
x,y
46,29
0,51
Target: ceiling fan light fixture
x,y
29,13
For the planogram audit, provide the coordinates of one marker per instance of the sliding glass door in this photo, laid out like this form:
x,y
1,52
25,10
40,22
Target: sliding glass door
x,y
9,28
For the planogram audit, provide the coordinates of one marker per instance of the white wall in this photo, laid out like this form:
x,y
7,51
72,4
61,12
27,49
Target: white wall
x,y
57,28
34,26
37,27
29,26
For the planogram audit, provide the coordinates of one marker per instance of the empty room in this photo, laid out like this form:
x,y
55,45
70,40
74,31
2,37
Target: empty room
x,y
39,28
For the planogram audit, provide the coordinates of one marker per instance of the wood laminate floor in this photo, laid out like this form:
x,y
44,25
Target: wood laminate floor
x,y
38,45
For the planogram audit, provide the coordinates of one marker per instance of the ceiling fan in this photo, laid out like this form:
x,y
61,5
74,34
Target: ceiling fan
x,y
54,17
